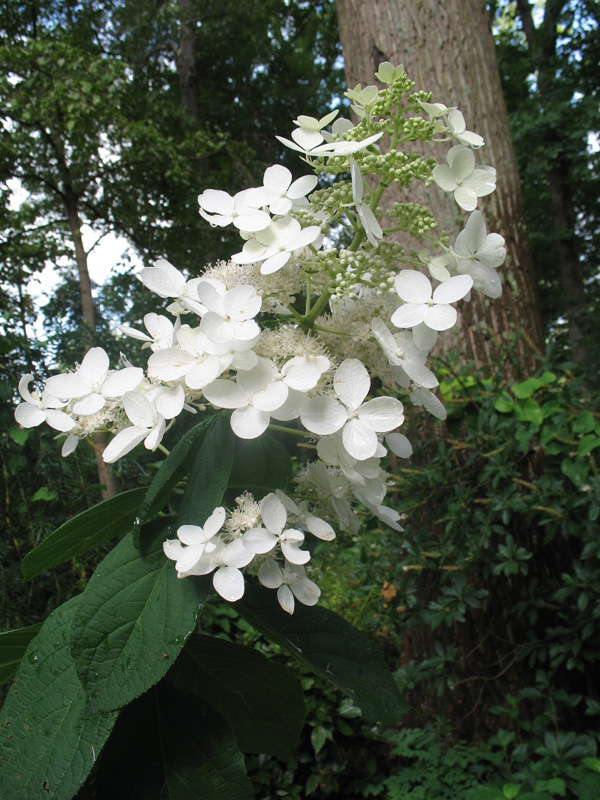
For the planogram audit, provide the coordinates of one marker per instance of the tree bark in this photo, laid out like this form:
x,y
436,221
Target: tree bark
x,y
447,48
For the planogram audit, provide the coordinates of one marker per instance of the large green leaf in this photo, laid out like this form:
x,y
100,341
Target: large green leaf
x,y
12,648
170,746
210,474
261,466
89,529
134,617
172,470
330,646
48,744
261,700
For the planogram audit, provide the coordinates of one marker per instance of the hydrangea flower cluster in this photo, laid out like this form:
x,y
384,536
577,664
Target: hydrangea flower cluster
x,y
318,301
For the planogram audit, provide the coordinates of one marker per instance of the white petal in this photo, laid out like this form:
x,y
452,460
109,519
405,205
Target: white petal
x,y
302,186
88,405
409,315
453,289
68,386
286,599
139,409
441,317
306,591
323,415
271,398
351,383
170,364
215,522
191,534
225,394
270,574
412,286
59,420
121,381
260,540
229,583
319,528
359,440
444,177
163,279
123,443
30,416
382,414
463,163
466,198
69,445
169,402
275,263
273,513
399,445
242,302
292,552
95,363
249,423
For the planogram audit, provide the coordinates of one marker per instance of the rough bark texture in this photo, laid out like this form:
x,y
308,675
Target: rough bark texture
x,y
447,48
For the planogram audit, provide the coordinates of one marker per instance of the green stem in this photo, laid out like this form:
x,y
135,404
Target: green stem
x,y
330,330
292,431
163,449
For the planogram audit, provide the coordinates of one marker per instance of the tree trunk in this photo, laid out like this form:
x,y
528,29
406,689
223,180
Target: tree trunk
x,y
88,315
447,48
542,42
186,58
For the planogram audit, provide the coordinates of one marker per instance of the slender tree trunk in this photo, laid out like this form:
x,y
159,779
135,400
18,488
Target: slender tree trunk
x,y
447,48
186,58
99,440
542,42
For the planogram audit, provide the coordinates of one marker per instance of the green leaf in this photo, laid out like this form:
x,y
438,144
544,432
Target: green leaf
x,y
529,411
587,444
585,422
171,746
210,473
12,647
526,388
260,699
261,466
511,790
331,647
504,404
19,436
44,493
592,763
47,743
576,471
89,529
171,471
134,618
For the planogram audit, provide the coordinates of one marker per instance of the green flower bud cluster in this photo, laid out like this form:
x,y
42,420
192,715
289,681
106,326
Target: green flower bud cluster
x,y
333,198
414,219
398,166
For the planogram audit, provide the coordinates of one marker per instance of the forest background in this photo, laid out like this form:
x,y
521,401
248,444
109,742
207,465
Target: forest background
x,y
116,115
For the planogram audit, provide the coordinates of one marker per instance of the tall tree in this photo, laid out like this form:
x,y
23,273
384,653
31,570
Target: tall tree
x,y
430,40
548,57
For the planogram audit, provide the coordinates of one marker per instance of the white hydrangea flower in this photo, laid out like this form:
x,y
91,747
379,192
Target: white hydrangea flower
x,y
165,280
226,560
402,351
273,533
279,193
161,331
360,421
305,520
291,582
422,304
274,245
93,383
229,314
41,408
423,397
254,395
192,542
458,129
220,209
462,177
478,254
148,427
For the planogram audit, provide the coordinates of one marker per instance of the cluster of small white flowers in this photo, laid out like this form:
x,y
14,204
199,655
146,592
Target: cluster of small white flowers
x,y
364,313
